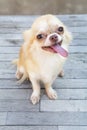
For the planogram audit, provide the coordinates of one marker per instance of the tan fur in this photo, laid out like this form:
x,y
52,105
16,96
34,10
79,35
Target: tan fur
x,y
35,63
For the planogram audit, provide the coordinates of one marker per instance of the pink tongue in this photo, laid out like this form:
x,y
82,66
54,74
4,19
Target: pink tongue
x,y
58,49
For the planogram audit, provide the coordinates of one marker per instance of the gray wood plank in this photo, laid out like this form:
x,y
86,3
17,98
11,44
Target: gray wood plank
x,y
27,24
10,50
58,83
11,43
18,25
8,57
70,83
18,18
24,24
28,128
15,93
76,61
3,116
78,42
63,106
13,30
78,49
68,94
4,65
75,74
48,118
72,127
23,18
63,94
19,30
77,29
11,36
17,105
12,83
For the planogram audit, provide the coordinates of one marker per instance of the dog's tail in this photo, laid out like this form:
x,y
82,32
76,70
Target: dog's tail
x,y
23,78
15,62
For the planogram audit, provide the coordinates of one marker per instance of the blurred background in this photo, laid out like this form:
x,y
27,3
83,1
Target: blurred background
x,y
39,7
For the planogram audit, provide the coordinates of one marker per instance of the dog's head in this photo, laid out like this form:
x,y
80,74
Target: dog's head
x,y
48,32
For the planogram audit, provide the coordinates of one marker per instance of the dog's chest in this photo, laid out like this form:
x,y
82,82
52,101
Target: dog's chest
x,y
49,67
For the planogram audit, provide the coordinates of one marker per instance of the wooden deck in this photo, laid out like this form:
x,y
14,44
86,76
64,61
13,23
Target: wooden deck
x,y
69,112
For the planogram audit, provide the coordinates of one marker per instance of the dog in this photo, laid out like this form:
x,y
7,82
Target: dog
x,y
43,54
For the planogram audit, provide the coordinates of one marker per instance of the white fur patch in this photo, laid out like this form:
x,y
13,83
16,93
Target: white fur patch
x,y
48,42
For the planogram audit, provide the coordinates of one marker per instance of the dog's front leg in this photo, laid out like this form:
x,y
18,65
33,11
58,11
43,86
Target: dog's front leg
x,y
51,93
35,97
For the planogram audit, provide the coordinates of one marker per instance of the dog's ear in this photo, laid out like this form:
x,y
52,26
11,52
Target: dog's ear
x,y
27,35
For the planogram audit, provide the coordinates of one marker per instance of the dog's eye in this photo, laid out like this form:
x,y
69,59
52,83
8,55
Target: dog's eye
x,y
60,29
39,36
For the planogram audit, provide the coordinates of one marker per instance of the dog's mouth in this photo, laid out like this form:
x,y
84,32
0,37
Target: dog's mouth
x,y
56,48
52,48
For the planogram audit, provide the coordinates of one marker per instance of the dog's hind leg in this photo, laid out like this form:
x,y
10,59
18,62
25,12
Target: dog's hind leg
x,y
61,74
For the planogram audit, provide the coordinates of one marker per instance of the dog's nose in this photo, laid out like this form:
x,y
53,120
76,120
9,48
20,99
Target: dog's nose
x,y
53,38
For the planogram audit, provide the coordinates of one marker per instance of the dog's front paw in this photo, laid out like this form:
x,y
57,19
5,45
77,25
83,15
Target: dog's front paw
x,y
35,97
51,93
